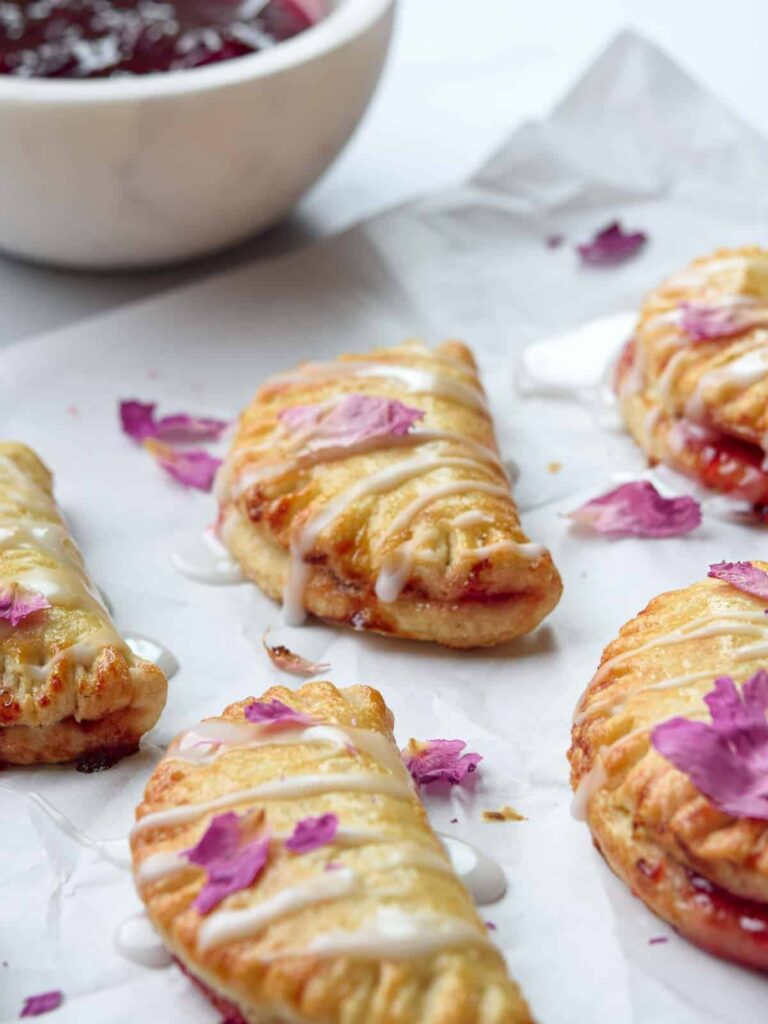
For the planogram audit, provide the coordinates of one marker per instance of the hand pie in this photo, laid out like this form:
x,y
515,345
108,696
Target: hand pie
x,y
703,870
71,688
369,491
693,381
288,864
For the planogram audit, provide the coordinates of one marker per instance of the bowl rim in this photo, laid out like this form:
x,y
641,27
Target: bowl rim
x,y
347,19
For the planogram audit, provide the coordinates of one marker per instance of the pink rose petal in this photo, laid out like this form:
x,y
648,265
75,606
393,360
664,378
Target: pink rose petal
x,y
17,603
34,1006
727,760
638,510
703,322
354,419
230,864
191,467
284,659
742,575
439,761
139,422
275,713
311,833
611,245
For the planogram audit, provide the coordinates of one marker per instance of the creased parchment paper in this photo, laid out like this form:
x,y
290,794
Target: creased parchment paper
x,y
635,139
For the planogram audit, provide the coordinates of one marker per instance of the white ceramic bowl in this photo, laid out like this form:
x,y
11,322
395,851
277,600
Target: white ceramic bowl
x,y
131,172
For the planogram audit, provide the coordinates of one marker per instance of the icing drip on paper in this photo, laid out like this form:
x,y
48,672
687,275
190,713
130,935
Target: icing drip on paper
x,y
201,556
137,941
147,649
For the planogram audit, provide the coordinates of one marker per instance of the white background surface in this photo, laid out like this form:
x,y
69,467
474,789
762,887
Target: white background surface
x,y
462,75
634,139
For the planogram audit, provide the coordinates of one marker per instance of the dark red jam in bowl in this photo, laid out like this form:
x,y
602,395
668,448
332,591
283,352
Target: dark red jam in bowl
x,y
112,38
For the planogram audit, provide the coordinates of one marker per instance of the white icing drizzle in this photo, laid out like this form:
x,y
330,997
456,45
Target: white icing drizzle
x,y
740,373
65,582
80,654
170,862
250,475
662,387
279,789
396,934
589,784
395,571
464,520
404,519
718,624
617,701
231,925
414,379
304,539
210,739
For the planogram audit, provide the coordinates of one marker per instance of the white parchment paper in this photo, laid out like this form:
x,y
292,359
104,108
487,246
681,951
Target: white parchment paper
x,y
635,139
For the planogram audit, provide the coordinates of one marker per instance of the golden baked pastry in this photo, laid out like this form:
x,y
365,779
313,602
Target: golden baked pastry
x,y
693,380
353,914
702,869
70,687
369,491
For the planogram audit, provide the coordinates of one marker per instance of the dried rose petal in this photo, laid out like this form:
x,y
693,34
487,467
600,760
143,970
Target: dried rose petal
x,y
139,422
703,322
191,467
311,833
230,865
728,760
439,761
42,1003
275,713
638,510
16,603
611,245
742,575
657,939
354,419
284,659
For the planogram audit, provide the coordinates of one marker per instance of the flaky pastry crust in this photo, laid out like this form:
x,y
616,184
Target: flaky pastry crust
x,y
384,854
700,869
460,570
700,404
70,686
